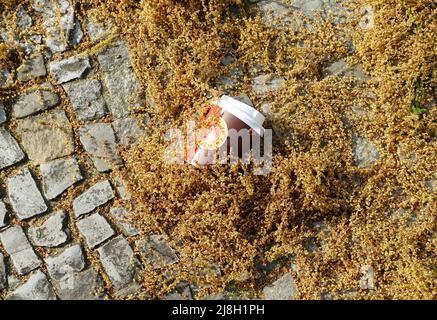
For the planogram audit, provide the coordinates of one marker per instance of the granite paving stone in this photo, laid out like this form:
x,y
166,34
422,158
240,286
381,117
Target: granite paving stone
x,y
59,175
3,275
95,229
47,136
19,249
119,262
69,261
123,92
282,289
86,98
97,195
4,215
37,287
32,68
52,233
35,101
128,130
69,69
114,57
99,141
365,152
24,195
121,218
3,115
156,252
11,151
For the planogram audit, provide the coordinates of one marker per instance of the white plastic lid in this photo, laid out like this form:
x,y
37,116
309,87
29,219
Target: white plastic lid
x,y
244,112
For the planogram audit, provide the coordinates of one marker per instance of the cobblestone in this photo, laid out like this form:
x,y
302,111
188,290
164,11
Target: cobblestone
x,y
32,68
3,116
19,249
4,215
365,152
98,139
118,260
70,261
24,195
52,233
121,217
97,195
11,151
86,98
95,230
46,137
282,289
3,276
123,92
70,69
37,287
129,130
156,252
58,176
36,101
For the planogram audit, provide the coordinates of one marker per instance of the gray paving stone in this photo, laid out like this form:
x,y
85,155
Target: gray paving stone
x,y
69,69
365,152
4,215
119,262
13,282
282,289
23,19
128,130
35,101
156,252
278,14
60,24
123,90
52,233
97,195
6,78
24,196
37,287
95,229
266,83
367,280
70,261
46,137
32,68
430,184
114,57
342,69
184,295
19,249
86,98
121,218
3,275
58,176
76,34
122,191
3,116
84,285
11,151
95,29
310,8
73,282
98,139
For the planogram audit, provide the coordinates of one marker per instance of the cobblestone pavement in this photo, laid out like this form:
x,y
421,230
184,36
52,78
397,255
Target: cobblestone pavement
x,y
60,138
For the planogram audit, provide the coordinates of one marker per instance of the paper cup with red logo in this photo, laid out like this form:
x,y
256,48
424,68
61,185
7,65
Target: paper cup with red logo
x,y
226,118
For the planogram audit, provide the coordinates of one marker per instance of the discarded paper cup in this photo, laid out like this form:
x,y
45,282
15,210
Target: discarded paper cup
x,y
228,120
